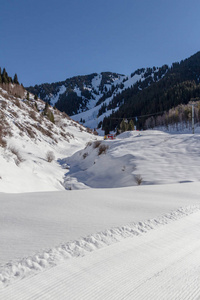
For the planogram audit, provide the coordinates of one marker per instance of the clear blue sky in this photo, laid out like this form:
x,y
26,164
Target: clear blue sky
x,y
51,40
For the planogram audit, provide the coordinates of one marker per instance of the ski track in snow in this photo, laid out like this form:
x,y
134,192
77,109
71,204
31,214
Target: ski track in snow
x,y
28,266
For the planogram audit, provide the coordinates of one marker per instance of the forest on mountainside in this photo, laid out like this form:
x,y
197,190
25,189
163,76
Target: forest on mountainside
x,y
180,84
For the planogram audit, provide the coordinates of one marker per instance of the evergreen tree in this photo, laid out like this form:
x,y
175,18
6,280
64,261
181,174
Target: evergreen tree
x,y
15,79
123,125
27,96
46,108
35,97
131,125
4,76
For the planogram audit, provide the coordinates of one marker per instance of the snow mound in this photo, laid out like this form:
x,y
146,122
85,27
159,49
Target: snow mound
x,y
134,158
29,266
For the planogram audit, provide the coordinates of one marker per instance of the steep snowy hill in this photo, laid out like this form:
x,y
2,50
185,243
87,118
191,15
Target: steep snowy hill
x,y
33,136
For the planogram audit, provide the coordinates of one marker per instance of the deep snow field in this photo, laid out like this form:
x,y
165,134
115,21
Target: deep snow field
x,y
106,237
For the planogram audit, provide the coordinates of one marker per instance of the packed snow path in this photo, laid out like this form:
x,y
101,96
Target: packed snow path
x,y
163,263
38,221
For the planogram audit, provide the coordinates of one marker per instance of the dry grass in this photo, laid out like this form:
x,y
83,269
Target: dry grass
x,y
33,115
18,158
102,149
96,144
138,179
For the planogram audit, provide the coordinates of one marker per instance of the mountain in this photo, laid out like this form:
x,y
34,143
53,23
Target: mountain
x,y
33,139
87,98
179,85
104,100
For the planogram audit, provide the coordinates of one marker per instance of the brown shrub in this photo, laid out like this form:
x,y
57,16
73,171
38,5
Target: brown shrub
x,y
18,158
96,144
138,179
102,149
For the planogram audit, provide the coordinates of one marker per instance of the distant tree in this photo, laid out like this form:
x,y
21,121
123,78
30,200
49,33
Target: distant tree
x,y
35,97
4,76
50,116
15,79
28,96
46,108
123,125
131,125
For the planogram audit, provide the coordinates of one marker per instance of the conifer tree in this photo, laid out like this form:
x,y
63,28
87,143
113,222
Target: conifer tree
x,y
15,79
123,126
4,76
131,125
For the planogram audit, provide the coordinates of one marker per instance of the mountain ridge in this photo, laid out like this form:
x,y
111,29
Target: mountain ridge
x,y
102,100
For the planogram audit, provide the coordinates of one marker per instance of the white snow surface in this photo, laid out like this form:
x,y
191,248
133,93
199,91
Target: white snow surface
x,y
128,241
155,156
105,237
55,98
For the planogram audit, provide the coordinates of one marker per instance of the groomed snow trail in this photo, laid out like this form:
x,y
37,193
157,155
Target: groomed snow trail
x,y
163,263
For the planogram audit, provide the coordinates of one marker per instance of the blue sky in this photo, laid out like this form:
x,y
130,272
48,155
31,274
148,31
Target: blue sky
x,y
47,41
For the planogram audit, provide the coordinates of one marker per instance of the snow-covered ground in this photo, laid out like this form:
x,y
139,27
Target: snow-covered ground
x,y
127,227
154,156
128,243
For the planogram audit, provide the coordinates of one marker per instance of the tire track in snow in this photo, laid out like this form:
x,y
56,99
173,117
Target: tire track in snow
x,y
163,264
52,257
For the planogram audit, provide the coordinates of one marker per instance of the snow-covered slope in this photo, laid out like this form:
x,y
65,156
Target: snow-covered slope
x,y
29,140
147,157
124,242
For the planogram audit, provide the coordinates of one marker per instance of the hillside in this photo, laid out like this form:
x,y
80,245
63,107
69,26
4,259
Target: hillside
x,y
178,86
88,98
104,100
33,136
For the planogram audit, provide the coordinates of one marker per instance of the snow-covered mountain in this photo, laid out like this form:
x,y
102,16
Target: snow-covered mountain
x,y
33,136
89,99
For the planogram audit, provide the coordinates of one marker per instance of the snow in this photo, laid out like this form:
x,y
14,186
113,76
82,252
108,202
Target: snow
x,y
141,222
158,157
96,81
55,98
105,236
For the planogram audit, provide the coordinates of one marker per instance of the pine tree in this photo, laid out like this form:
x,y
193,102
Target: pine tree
x,y
4,76
15,79
27,96
131,125
46,108
123,126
